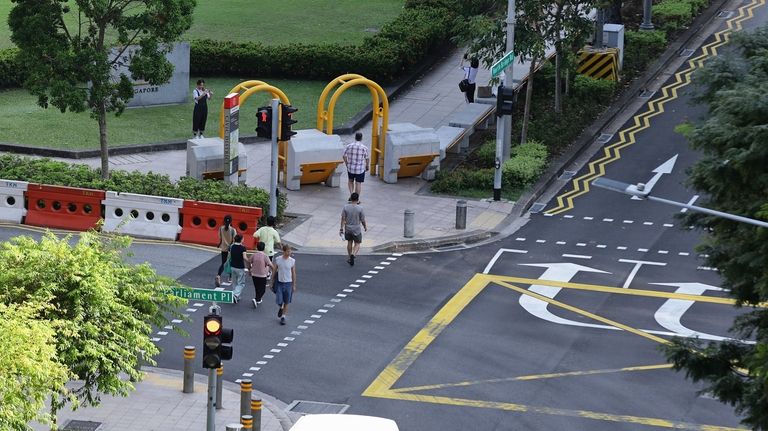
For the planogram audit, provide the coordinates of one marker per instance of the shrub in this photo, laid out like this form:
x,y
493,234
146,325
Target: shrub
x,y
641,47
46,171
454,182
486,154
11,74
525,166
593,90
673,14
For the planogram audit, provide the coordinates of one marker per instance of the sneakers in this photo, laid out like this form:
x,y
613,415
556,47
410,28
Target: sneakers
x,y
282,320
255,303
258,302
351,260
280,312
218,281
236,299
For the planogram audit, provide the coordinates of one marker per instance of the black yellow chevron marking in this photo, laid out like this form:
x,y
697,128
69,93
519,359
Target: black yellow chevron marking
x,y
600,64
612,152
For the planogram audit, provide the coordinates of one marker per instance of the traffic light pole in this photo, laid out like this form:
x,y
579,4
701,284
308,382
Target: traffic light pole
x,y
210,423
274,164
504,122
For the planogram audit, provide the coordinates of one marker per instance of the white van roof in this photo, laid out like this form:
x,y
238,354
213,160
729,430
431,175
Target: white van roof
x,y
342,422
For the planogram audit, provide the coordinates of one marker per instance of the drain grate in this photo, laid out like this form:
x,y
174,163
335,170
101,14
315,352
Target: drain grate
x,y
686,53
604,138
537,207
74,425
316,407
566,175
646,94
725,14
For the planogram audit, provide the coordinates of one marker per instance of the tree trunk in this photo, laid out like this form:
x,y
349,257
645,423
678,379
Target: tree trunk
x,y
614,12
568,80
102,117
558,79
528,98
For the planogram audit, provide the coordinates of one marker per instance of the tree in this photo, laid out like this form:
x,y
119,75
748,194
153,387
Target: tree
x,y
68,54
732,177
101,308
570,25
30,372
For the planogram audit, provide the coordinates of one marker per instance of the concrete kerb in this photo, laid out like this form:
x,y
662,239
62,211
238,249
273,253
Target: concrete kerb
x,y
591,133
432,243
274,405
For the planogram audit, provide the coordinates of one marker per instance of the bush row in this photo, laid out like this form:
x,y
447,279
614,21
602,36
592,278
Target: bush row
x,y
640,48
46,171
384,57
671,15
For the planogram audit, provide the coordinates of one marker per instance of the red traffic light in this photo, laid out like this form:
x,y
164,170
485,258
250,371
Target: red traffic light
x,y
212,325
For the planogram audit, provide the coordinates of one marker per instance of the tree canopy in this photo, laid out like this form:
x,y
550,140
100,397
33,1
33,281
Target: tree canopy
x,y
732,177
68,54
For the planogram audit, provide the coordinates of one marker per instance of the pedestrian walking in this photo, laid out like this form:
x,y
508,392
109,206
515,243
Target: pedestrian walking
x,y
357,161
200,113
286,282
269,236
470,76
237,259
260,266
226,238
352,225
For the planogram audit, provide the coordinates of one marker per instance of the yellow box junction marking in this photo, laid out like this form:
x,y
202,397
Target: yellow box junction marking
x,y
612,152
383,385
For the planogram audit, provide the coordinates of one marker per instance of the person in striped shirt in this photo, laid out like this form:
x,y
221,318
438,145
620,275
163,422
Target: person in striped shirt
x,y
357,160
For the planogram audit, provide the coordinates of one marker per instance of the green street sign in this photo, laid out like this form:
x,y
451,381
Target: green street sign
x,y
502,64
203,294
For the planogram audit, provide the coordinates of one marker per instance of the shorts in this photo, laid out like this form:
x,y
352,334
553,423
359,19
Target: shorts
x,y
358,238
284,292
356,177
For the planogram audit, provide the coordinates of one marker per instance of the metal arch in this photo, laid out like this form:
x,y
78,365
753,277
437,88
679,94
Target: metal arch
x,y
322,114
244,86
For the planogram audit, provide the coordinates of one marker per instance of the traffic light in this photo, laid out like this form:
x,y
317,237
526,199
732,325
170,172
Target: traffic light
x,y
505,101
264,122
216,341
286,121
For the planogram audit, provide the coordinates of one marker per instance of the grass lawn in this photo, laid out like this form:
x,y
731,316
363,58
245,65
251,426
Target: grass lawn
x,y
273,21
22,121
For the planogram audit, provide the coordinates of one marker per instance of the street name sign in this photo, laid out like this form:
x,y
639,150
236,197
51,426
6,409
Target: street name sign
x,y
502,64
203,294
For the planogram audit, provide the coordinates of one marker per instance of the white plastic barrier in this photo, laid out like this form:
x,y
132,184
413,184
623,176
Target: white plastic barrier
x,y
142,215
314,151
12,204
409,142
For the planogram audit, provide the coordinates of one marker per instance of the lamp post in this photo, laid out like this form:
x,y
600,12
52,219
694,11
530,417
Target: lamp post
x,y
639,191
646,24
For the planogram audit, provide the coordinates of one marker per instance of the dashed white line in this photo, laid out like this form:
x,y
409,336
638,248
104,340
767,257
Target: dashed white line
x,y
373,272
191,310
168,327
275,350
560,243
247,374
548,215
254,368
621,247
601,246
341,295
320,310
385,263
198,305
315,316
663,252
589,218
378,267
577,256
335,300
648,223
303,327
156,339
519,239
282,344
609,220
568,216
176,321
628,221
668,225
642,250
268,356
288,338
581,244
367,276
360,282
328,305
391,258
262,362
162,333
541,241
683,253
354,285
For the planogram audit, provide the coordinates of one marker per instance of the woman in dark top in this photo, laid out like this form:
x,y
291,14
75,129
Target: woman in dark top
x,y
200,114
237,259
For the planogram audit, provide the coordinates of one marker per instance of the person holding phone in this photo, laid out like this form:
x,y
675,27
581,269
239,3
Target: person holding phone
x,y
200,113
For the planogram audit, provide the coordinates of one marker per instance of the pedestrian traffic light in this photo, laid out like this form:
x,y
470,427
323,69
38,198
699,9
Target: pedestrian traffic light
x,y
216,339
264,122
286,121
505,101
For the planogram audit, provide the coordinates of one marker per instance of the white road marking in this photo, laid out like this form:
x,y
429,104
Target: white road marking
x,y
671,312
397,254
378,267
320,310
601,246
628,221
367,276
621,247
577,256
683,253
648,223
589,218
642,250
309,322
282,344
268,356
385,263
690,202
262,362
247,374
348,290
168,327
519,239
706,268
608,220
581,244
568,216
663,252
560,243
391,258
191,310
638,264
668,225
288,338
341,295
373,272
335,300
156,339
664,168
354,285
360,282
315,316
275,350
498,255
302,327
162,333
541,241
254,368
176,321
548,215
198,305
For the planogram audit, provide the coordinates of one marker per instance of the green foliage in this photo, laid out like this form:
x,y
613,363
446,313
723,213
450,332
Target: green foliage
x,y
461,179
527,163
731,177
670,15
47,171
642,47
102,310
685,129
593,90
486,154
30,372
11,74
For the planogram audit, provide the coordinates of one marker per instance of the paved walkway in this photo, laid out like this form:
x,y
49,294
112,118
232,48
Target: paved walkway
x,y
158,404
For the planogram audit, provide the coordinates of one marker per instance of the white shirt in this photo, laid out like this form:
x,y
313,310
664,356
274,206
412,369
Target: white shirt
x,y
284,266
470,73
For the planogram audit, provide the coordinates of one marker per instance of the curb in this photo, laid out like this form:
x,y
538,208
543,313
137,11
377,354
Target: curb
x,y
426,244
590,134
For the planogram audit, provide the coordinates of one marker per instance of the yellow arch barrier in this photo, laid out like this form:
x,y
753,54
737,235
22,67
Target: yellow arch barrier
x,y
248,88
380,104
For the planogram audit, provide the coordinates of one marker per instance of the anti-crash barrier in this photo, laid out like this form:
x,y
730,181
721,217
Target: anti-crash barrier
x,y
201,222
142,215
599,63
12,205
63,207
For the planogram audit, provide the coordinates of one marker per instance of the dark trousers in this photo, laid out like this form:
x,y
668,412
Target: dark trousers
x,y
470,93
224,255
260,286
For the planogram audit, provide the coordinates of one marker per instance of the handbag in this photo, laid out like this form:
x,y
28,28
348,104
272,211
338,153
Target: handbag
x,y
464,85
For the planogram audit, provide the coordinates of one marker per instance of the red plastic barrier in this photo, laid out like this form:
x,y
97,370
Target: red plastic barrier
x,y
201,222
63,207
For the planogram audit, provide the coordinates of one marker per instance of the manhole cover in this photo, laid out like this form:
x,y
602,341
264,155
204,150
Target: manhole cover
x,y
725,14
537,207
604,138
646,94
316,407
686,53
74,425
566,175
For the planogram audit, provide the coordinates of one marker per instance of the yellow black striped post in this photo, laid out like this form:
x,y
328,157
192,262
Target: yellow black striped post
x,y
599,63
247,422
219,386
246,387
189,372
256,413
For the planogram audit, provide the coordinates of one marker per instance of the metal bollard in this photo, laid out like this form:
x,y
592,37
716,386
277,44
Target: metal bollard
x,y
247,422
219,386
245,396
408,223
234,427
256,413
461,214
189,372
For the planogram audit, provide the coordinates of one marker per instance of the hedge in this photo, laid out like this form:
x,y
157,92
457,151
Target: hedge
x,y
591,90
672,15
642,47
47,171
383,57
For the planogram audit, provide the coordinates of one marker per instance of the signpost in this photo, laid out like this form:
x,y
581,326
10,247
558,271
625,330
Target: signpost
x,y
231,136
502,64
203,294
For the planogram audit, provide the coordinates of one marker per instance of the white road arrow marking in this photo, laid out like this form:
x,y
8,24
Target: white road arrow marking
x,y
638,264
671,312
664,168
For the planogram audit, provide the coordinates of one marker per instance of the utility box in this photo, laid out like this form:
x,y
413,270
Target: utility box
x,y
205,159
613,37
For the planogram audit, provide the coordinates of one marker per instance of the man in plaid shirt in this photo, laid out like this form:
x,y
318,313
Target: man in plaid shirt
x,y
357,161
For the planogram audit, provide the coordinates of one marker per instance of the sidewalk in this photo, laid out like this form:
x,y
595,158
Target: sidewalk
x,y
429,102
158,404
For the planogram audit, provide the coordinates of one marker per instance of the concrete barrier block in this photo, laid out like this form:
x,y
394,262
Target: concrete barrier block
x,y
472,116
408,143
313,148
207,155
452,140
